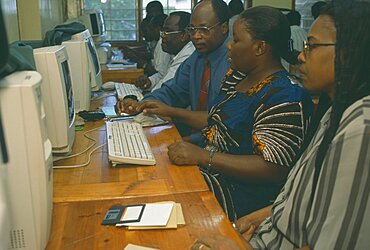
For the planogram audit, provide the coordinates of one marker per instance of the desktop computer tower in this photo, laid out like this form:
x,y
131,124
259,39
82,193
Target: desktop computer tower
x,y
29,170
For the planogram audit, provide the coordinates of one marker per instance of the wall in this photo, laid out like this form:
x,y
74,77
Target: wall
x,y
51,13
9,8
30,19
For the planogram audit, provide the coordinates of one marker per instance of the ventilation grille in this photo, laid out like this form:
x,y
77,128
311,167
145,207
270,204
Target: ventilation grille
x,y
17,239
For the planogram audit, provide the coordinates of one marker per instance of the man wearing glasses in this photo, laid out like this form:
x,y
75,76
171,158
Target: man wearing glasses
x,y
175,41
197,81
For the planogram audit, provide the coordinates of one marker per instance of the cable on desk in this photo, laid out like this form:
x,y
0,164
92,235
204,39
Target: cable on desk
x,y
80,153
84,164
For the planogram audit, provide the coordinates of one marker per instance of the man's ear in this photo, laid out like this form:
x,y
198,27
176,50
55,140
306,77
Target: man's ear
x,y
260,48
185,37
225,28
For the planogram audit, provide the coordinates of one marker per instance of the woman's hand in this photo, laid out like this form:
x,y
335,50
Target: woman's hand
x,y
185,153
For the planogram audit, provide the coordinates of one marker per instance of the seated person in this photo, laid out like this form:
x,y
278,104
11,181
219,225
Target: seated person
x,y
235,7
158,61
161,59
325,203
176,42
154,8
257,123
298,35
208,30
141,54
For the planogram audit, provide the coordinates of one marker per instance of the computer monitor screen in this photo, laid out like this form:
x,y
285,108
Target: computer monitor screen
x,y
94,56
94,22
52,64
68,85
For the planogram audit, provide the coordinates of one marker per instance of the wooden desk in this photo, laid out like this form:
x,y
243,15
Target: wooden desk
x,y
83,195
120,75
77,225
100,181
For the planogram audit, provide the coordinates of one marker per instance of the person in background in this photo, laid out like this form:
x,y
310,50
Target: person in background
x,y
317,7
143,55
197,80
153,8
257,123
298,35
176,42
235,7
325,201
161,59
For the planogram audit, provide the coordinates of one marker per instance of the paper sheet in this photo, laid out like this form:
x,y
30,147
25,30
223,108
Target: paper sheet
x,y
154,215
136,247
176,220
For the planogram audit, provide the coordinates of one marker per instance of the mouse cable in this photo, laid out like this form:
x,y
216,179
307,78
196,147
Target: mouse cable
x,y
85,150
83,164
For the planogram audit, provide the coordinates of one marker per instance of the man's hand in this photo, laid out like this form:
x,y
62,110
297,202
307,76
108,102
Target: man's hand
x,y
143,82
127,105
185,153
155,108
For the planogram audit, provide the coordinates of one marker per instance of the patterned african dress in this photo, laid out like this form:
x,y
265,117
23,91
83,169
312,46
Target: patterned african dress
x,y
269,120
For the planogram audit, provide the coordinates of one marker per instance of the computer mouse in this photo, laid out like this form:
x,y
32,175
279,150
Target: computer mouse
x,y
91,115
108,85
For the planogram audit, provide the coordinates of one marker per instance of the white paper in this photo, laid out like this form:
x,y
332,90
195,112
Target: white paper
x,y
136,247
132,213
154,215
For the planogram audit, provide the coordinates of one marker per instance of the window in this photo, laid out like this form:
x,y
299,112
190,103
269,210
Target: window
x,y
171,6
122,16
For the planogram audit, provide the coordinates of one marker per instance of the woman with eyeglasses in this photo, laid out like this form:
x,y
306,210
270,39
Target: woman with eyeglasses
x,y
325,203
257,123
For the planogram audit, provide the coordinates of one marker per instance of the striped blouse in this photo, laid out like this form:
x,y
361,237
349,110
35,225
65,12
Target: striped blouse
x,y
338,217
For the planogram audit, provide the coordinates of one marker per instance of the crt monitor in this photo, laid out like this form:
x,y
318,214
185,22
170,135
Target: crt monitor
x,y
81,73
29,170
52,64
94,22
94,65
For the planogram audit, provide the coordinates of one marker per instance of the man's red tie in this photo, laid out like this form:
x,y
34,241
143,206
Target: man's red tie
x,y
204,84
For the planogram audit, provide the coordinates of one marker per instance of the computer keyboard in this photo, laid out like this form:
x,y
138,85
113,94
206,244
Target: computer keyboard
x,y
119,59
124,89
128,144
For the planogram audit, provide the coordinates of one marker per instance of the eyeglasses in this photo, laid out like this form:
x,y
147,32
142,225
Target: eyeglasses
x,y
167,33
307,47
204,30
